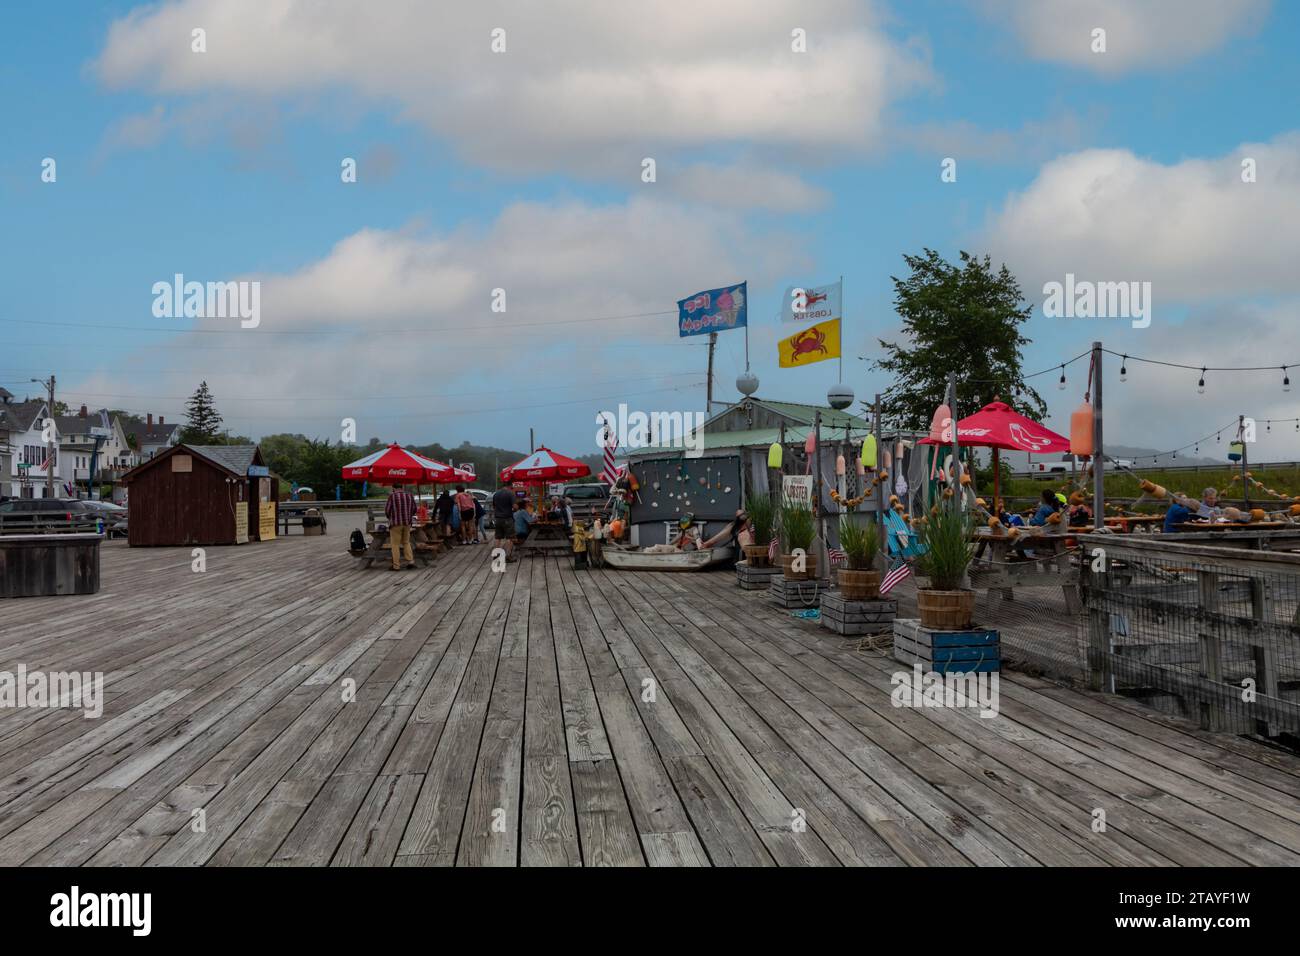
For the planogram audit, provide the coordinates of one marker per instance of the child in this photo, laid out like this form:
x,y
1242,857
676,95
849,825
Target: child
x,y
579,548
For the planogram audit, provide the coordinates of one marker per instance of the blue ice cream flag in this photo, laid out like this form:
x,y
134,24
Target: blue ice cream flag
x,y
714,310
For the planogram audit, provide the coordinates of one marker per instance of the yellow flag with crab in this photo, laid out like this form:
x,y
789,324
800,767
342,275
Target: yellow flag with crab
x,y
814,344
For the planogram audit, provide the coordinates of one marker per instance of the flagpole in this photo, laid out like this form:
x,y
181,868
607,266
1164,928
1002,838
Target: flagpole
x,y
841,330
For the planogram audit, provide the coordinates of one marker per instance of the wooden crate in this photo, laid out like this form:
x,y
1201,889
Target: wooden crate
x,y
978,649
857,617
754,579
795,595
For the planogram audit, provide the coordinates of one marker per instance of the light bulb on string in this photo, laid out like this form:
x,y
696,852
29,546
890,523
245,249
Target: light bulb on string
x,y
1061,383
1123,369
1200,386
1286,380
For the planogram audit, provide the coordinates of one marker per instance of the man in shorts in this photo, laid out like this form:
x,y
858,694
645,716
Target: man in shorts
x,y
465,504
503,519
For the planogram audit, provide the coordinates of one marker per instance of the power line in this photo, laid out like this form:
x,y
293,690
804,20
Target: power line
x,y
368,331
380,398
475,411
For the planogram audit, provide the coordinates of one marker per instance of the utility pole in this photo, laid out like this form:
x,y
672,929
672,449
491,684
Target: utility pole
x,y
1241,437
880,492
50,443
708,395
1098,456
955,476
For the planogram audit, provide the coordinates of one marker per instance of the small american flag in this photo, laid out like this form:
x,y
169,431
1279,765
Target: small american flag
x,y
772,549
610,474
836,555
894,576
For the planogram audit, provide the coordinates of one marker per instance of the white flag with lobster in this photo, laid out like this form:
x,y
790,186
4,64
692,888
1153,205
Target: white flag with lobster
x,y
812,303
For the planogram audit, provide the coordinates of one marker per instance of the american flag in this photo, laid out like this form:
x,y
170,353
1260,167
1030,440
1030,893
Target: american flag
x,y
610,474
836,555
772,549
894,576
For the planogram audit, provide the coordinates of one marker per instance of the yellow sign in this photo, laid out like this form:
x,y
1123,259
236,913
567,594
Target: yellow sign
x,y
266,520
814,344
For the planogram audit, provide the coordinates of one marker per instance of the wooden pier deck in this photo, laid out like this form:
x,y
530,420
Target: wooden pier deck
x,y
550,717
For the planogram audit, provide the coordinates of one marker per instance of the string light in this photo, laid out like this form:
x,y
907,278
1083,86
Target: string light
x,y
1061,383
1200,386
1123,369
1286,380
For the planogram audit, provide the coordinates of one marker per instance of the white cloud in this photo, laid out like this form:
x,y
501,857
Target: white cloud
x,y
581,86
555,261
1140,34
1193,228
745,186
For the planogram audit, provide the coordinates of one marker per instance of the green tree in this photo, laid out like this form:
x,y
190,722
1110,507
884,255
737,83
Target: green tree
x,y
202,420
957,318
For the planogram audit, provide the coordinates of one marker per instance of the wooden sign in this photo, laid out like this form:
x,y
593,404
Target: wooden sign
x,y
797,488
182,463
266,520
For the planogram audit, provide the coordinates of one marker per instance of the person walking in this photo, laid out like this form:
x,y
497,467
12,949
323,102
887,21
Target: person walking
x,y
465,504
400,510
480,515
503,519
442,510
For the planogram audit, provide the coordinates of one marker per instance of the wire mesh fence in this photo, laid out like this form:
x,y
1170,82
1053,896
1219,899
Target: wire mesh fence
x,y
1209,633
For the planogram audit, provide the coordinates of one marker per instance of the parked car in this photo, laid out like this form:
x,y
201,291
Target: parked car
x,y
588,499
114,517
19,515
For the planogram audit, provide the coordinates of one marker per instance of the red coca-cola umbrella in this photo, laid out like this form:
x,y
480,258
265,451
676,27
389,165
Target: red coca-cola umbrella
x,y
543,466
998,426
398,465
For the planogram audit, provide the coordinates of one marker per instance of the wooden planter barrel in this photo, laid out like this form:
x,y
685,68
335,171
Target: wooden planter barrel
x,y
38,565
859,585
939,609
809,572
756,555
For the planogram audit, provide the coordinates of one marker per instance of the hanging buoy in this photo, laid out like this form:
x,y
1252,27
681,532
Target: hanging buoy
x,y
839,466
941,424
1081,431
1235,450
869,452
862,470
885,459
809,443
774,456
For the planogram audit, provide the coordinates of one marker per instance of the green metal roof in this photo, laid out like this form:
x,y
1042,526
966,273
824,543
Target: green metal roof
x,y
832,417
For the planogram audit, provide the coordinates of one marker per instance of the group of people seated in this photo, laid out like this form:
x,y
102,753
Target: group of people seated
x,y
1186,510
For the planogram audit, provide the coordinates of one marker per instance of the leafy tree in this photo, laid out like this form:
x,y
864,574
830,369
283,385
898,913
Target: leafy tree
x,y
203,421
958,318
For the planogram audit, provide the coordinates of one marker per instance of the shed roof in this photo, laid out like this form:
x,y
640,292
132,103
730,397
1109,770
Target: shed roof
x,y
233,458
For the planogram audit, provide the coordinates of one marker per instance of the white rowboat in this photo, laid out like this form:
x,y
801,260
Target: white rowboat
x,y
634,559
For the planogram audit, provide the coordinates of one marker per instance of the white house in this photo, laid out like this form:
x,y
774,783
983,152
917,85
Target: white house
x,y
24,454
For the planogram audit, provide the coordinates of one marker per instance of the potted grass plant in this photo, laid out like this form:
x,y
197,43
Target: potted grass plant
x,y
762,519
798,528
946,536
860,544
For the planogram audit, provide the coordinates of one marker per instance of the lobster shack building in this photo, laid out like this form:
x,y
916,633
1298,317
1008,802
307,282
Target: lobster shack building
x,y
201,495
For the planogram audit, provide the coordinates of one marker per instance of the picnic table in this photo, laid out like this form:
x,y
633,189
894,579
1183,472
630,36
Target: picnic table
x,y
296,516
425,544
1126,524
544,536
998,565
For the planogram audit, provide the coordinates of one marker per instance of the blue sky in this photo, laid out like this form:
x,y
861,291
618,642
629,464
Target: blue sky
x,y
522,171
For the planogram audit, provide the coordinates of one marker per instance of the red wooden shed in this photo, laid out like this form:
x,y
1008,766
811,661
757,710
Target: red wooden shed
x,y
201,494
